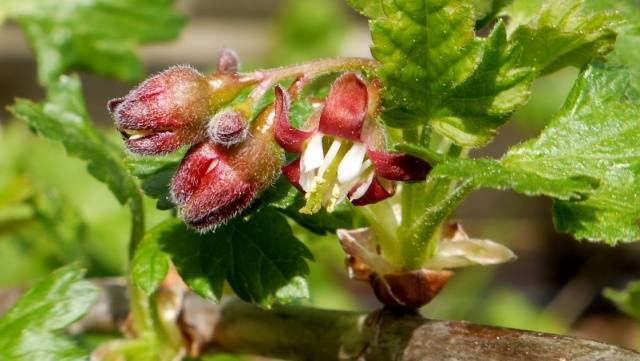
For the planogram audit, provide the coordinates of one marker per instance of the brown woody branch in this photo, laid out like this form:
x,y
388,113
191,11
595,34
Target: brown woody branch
x,y
302,333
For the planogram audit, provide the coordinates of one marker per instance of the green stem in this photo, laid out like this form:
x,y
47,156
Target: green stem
x,y
411,193
382,221
136,207
139,301
422,238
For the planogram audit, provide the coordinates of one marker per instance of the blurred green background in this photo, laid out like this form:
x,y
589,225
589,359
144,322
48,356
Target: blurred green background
x,y
555,285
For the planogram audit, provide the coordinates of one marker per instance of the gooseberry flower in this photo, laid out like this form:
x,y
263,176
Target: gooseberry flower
x,y
341,148
215,182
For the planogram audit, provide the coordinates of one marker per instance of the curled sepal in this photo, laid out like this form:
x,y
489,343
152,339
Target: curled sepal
x,y
164,112
457,250
288,137
399,166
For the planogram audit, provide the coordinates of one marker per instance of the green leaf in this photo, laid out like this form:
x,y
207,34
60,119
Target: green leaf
x,y
96,35
485,101
425,49
562,34
531,181
260,258
368,8
32,328
150,264
63,117
627,300
156,174
627,51
594,136
545,38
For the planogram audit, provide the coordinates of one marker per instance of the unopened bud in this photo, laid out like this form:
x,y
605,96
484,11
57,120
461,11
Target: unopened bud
x,y
228,127
228,61
165,112
214,182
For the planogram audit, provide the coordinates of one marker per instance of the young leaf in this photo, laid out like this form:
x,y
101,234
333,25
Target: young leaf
x,y
32,328
484,102
594,136
425,49
530,181
156,174
560,34
150,264
260,258
58,33
63,117
627,300
368,8
626,52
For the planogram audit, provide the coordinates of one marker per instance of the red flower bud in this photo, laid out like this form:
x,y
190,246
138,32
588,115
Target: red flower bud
x,y
216,182
228,128
164,112
228,61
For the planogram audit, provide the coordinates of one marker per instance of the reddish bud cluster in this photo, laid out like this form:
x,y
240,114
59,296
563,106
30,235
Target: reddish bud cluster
x,y
229,162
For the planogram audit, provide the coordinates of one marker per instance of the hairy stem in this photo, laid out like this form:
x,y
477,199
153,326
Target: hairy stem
x,y
382,221
270,77
421,239
139,301
136,207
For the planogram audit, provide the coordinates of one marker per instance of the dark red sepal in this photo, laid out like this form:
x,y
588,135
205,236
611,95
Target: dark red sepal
x,y
345,108
398,166
288,137
375,193
292,172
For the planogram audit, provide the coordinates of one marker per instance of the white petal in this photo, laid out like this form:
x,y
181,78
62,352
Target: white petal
x,y
331,155
469,252
351,165
306,180
362,189
360,243
313,154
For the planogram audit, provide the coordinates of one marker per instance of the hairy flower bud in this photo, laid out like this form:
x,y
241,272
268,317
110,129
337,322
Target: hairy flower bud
x,y
228,127
228,61
215,182
164,112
